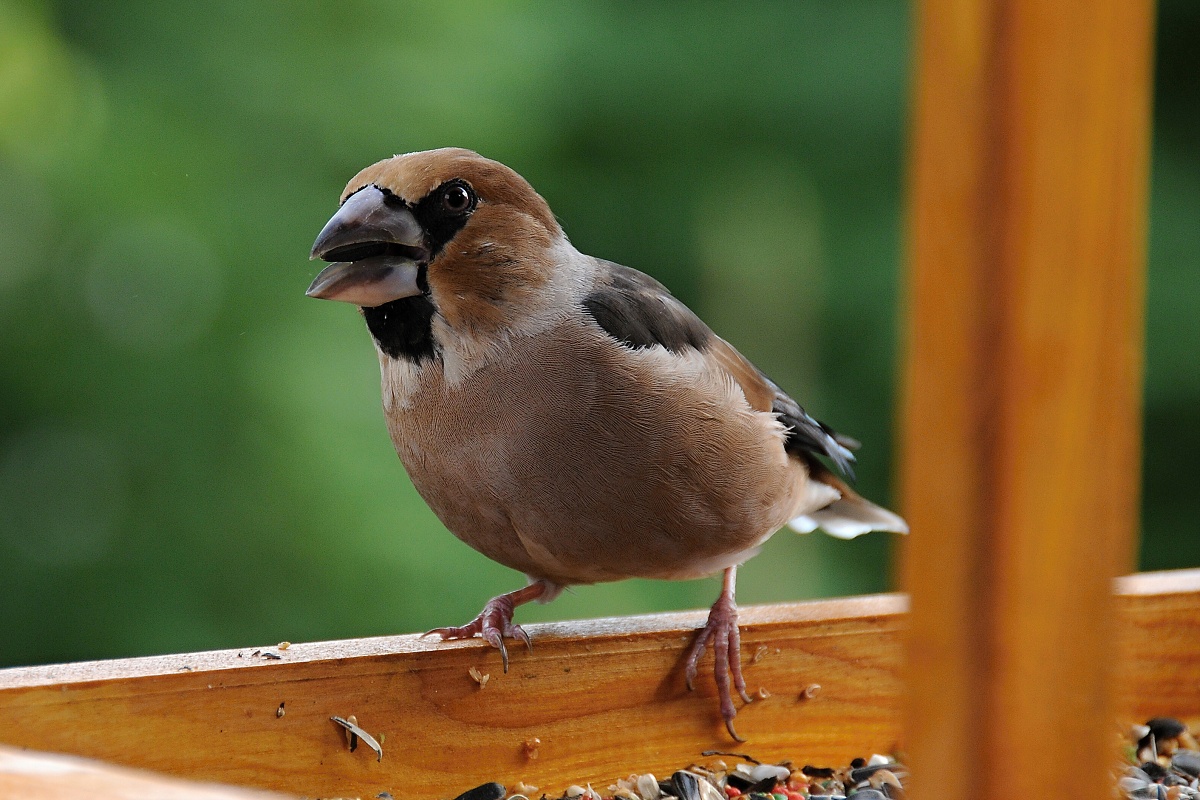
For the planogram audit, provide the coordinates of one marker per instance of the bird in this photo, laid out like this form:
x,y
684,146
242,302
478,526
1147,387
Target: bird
x,y
567,416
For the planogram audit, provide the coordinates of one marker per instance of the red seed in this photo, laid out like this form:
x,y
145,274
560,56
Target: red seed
x,y
733,791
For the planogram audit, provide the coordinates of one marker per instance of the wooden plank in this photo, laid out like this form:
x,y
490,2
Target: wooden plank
x,y
1158,646
601,696
1021,433
620,707
43,776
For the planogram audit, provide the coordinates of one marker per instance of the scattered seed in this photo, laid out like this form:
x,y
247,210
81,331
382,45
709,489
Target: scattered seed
x,y
1166,727
279,712
884,777
531,746
486,791
709,790
810,691
354,733
742,756
284,645
1187,762
686,786
763,694
759,653
272,656
1129,785
1174,775
761,772
647,787
1154,771
481,678
866,771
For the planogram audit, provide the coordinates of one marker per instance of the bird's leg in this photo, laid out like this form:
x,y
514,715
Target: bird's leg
x,y
722,630
495,621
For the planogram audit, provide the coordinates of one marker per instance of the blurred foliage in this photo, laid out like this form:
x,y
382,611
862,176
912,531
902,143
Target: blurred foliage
x,y
192,454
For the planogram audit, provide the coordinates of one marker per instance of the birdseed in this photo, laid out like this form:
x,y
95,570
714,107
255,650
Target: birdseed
x,y
1163,764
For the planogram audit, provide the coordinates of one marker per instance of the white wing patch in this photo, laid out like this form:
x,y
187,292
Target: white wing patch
x,y
848,517
803,524
843,516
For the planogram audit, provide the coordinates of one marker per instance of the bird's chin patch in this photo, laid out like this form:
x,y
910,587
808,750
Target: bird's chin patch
x,y
368,282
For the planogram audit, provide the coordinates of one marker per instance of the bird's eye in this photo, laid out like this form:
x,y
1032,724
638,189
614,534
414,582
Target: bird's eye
x,y
456,199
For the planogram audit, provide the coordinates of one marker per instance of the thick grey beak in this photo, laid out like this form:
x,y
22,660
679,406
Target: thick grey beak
x,y
377,246
367,283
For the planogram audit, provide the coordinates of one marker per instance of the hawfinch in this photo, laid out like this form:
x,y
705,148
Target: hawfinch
x,y
565,415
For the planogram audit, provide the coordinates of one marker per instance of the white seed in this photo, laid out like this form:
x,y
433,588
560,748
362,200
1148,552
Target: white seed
x,y
764,771
1130,785
884,776
708,791
647,786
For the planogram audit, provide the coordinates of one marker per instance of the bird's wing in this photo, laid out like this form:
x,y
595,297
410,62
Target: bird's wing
x,y
639,312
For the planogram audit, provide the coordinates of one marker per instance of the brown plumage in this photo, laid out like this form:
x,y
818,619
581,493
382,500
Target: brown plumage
x,y
563,415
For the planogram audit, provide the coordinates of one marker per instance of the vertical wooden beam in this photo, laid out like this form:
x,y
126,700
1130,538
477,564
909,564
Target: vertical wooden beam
x,y
1021,428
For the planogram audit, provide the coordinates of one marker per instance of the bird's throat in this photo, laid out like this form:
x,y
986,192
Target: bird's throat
x,y
403,328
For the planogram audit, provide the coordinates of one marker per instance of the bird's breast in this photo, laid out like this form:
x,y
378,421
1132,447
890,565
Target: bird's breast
x,y
580,460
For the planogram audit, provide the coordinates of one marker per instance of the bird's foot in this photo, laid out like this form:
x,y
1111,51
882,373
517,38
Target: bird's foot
x,y
722,631
495,623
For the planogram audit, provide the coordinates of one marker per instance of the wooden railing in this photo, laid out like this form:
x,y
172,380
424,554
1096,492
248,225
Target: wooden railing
x,y
595,700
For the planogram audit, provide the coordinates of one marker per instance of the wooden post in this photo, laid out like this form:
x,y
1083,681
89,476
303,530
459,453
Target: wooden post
x,y
1021,427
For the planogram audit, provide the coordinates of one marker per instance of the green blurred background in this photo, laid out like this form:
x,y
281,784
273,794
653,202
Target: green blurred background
x,y
192,454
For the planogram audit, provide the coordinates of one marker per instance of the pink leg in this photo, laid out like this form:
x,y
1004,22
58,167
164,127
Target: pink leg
x,y
722,630
495,621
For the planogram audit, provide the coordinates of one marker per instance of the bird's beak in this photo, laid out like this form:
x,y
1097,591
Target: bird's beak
x,y
377,247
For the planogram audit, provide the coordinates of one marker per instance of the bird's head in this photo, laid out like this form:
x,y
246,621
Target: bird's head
x,y
466,234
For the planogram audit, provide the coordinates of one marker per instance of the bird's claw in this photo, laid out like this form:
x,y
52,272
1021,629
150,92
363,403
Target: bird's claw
x,y
722,630
494,624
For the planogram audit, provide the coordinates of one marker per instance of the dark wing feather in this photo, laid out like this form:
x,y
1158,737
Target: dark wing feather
x,y
809,435
639,312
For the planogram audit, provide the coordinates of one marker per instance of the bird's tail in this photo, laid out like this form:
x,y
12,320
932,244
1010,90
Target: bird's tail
x,y
849,515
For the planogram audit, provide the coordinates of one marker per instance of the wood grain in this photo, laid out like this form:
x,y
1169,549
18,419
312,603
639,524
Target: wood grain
x,y
605,698
1021,431
1157,647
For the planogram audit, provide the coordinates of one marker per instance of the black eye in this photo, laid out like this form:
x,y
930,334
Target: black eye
x,y
456,198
